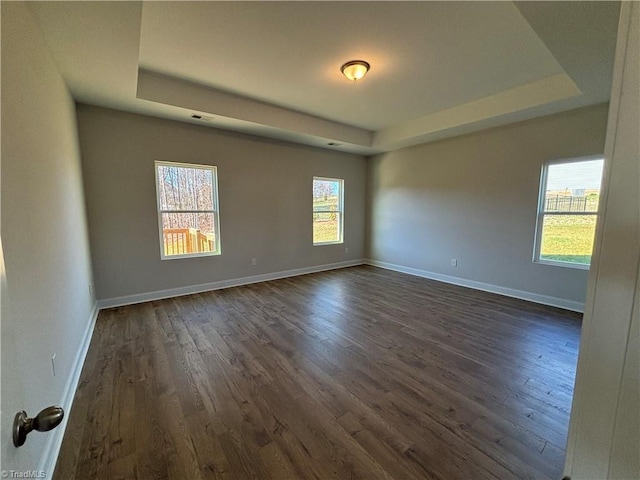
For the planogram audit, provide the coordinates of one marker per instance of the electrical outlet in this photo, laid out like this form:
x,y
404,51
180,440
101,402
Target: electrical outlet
x,y
53,364
253,261
91,292
454,262
346,249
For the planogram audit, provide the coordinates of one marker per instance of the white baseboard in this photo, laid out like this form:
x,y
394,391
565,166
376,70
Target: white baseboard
x,y
236,282
54,442
486,287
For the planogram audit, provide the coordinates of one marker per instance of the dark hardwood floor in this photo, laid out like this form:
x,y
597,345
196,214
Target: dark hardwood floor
x,y
359,373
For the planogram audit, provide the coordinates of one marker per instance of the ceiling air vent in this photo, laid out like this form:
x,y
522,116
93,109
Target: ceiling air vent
x,y
204,118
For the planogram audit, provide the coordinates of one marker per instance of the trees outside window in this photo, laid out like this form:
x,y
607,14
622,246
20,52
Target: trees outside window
x,y
328,214
187,210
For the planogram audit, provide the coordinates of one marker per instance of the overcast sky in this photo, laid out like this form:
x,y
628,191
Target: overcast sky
x,y
574,175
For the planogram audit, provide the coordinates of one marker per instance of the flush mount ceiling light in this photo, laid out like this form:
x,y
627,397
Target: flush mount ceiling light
x,y
355,69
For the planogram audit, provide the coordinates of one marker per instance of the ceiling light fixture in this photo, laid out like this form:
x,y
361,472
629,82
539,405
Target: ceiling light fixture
x,y
355,69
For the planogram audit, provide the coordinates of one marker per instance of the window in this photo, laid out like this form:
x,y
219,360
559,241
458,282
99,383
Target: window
x,y
187,210
328,214
567,211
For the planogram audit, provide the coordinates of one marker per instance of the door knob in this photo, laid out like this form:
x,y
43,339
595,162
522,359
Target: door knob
x,y
46,420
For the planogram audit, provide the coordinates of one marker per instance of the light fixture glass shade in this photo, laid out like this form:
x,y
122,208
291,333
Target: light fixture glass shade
x,y
355,69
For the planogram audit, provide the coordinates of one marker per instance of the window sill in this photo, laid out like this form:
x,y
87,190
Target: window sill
x,y
577,266
190,255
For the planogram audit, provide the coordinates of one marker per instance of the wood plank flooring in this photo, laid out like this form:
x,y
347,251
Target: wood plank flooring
x,y
359,373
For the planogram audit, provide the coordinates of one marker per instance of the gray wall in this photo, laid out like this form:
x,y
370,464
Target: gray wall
x,y
47,307
474,198
264,193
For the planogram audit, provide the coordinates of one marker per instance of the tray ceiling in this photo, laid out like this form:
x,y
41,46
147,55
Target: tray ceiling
x,y
273,68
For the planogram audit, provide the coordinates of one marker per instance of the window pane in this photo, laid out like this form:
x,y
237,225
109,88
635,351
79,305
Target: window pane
x,y
182,188
326,227
573,187
326,195
327,210
184,233
568,238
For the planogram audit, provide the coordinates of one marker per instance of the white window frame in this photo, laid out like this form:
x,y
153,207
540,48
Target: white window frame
x,y
340,211
215,211
541,213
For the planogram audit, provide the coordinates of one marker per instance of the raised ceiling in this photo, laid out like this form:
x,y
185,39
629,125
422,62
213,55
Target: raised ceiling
x,y
438,69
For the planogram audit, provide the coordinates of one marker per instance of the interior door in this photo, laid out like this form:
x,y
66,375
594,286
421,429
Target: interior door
x,y
12,393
